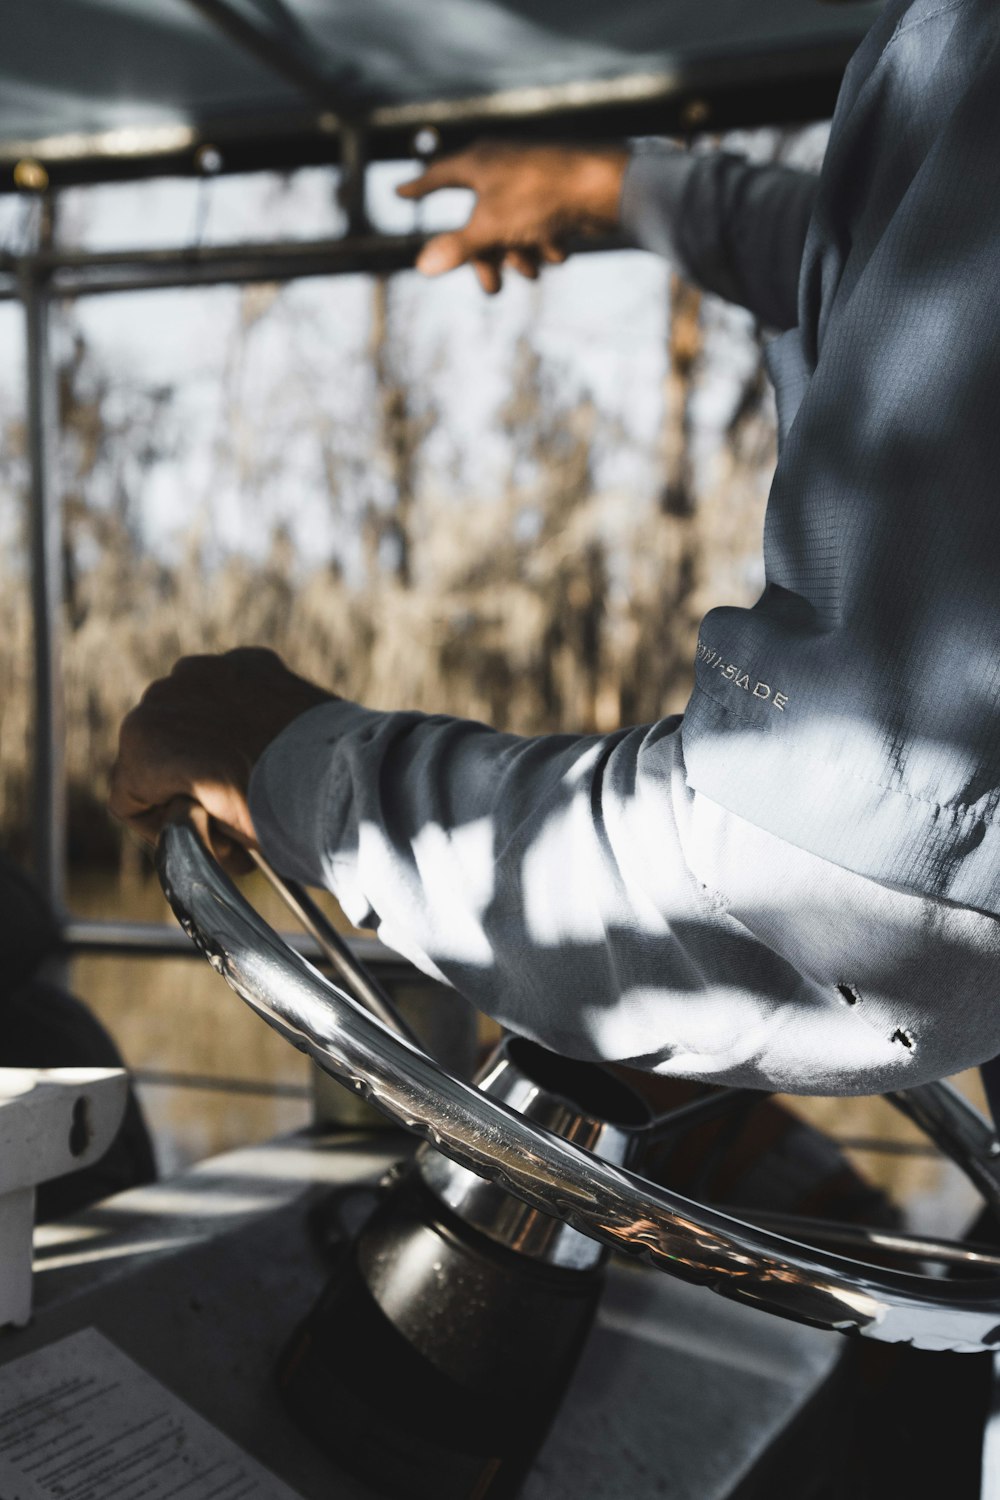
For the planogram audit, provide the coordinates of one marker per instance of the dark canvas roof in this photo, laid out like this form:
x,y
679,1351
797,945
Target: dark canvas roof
x,y
103,86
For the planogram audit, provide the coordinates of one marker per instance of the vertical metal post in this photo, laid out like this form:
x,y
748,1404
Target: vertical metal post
x,y
45,523
353,165
989,1483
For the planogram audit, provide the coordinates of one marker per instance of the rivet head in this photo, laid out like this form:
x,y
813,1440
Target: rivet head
x,y
426,141
30,176
208,159
695,114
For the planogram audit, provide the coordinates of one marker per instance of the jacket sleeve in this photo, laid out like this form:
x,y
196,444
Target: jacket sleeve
x,y
577,890
538,876
731,227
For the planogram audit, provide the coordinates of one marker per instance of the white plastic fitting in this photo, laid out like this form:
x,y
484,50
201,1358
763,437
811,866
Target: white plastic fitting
x,y
52,1121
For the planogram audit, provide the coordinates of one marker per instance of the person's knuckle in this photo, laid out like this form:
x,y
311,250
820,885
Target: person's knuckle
x,y
122,797
251,656
115,780
130,732
454,249
159,689
190,666
479,238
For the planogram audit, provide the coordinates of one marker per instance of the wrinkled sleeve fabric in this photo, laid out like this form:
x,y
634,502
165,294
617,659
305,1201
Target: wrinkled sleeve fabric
x,y
731,227
577,890
440,832
880,623
542,877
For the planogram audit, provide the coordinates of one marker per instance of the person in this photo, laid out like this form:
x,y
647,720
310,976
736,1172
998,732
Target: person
x,y
796,884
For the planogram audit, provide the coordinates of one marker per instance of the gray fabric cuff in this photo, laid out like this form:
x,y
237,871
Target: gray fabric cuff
x,y
299,804
653,190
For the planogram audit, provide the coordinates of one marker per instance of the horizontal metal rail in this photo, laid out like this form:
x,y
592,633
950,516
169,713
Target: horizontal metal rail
x,y
79,273
876,1145
157,940
712,90
692,73
183,257
210,1083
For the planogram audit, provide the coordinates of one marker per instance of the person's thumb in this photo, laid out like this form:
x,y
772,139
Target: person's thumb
x,y
444,253
226,844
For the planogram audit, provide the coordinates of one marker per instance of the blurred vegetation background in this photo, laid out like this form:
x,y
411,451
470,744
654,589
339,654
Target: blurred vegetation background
x,y
549,602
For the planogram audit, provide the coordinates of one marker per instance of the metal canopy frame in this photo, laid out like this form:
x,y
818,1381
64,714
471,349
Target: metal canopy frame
x,y
782,88
716,90
798,85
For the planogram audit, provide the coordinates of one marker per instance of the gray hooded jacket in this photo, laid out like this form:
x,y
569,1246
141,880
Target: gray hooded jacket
x,y
576,887
855,710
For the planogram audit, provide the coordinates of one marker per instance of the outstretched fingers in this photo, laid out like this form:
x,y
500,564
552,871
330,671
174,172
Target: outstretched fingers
x,y
525,262
450,172
487,271
445,252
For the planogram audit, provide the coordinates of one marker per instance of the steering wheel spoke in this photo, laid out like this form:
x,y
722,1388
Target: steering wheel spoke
x,y
711,1106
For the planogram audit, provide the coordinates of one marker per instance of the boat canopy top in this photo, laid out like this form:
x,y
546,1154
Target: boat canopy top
x,y
92,90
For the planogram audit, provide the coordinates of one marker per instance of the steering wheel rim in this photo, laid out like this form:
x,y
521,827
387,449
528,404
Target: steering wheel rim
x,y
613,1205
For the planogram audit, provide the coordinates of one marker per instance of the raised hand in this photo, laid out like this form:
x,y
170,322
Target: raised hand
x,y
198,734
529,201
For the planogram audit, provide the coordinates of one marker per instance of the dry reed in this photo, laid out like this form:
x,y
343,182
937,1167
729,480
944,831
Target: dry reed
x,y
587,624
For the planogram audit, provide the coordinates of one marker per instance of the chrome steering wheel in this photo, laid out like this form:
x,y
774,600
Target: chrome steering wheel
x,y
744,1261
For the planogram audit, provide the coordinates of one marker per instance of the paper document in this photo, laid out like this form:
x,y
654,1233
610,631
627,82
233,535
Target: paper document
x,y
80,1421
